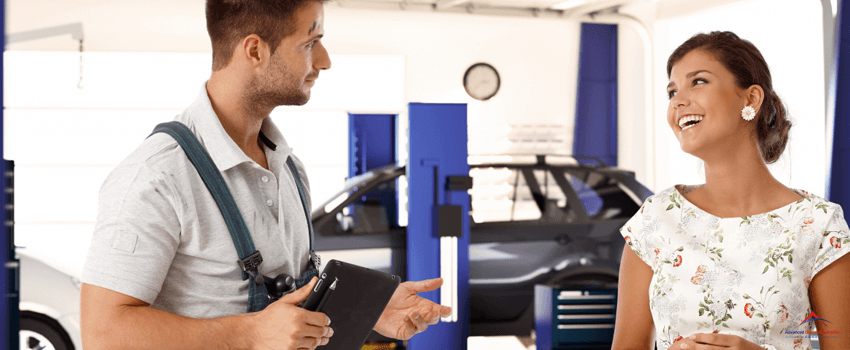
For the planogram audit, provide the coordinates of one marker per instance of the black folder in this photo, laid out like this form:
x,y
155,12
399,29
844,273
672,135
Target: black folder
x,y
353,297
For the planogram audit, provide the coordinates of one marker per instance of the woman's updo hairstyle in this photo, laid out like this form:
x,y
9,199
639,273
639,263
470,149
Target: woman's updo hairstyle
x,y
749,68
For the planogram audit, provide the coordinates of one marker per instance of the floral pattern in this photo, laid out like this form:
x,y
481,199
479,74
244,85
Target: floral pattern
x,y
745,276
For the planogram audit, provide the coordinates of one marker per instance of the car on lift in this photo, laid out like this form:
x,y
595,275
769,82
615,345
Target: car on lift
x,y
536,219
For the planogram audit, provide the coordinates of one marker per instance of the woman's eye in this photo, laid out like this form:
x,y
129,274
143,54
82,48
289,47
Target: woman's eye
x,y
671,93
698,81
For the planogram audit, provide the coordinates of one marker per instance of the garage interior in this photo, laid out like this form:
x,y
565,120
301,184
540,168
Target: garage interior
x,y
577,117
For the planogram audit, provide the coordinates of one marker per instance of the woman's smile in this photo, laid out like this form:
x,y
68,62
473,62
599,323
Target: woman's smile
x,y
689,121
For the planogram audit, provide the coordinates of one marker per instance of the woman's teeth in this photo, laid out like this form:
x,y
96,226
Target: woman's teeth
x,y
688,121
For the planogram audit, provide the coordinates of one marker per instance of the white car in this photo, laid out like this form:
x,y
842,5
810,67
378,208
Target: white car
x,y
50,305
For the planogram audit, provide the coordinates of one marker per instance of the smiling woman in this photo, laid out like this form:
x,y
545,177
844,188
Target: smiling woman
x,y
737,262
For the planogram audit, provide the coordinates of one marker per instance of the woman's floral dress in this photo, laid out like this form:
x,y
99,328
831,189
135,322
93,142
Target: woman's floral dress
x,y
746,276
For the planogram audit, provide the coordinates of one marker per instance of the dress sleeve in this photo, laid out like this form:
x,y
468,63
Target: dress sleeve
x,y
836,240
635,234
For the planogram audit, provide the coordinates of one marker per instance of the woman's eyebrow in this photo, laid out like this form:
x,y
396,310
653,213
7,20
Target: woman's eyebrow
x,y
690,75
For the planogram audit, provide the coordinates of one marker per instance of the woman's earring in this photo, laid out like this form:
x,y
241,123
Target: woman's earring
x,y
748,113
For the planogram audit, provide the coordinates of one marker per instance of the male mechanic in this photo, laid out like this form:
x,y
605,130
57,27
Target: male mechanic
x,y
161,272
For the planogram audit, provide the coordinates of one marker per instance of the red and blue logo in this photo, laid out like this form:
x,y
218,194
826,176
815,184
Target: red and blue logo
x,y
813,317
811,333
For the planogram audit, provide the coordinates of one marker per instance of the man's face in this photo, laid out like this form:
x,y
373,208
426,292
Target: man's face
x,y
294,67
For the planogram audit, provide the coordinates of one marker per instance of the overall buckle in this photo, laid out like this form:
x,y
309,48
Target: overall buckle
x,y
250,265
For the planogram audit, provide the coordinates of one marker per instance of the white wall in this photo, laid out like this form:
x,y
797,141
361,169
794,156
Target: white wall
x,y
632,152
537,58
113,25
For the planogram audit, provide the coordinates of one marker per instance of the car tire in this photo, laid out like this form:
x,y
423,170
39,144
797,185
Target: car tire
x,y
43,333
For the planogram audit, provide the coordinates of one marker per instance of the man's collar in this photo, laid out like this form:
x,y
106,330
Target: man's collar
x,y
276,142
201,117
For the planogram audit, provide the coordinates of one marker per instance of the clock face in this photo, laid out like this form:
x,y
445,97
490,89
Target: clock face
x,y
481,81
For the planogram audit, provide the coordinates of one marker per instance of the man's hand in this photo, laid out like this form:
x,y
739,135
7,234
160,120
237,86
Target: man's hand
x,y
408,313
714,341
284,325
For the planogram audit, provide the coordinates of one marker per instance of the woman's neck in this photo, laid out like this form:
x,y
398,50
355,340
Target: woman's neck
x,y
740,184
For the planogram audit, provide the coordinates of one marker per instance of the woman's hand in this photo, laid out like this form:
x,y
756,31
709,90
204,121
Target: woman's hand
x,y
714,341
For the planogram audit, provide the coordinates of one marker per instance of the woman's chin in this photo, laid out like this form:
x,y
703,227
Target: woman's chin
x,y
692,149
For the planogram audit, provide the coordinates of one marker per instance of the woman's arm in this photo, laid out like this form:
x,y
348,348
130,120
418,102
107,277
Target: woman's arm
x,y
634,328
828,295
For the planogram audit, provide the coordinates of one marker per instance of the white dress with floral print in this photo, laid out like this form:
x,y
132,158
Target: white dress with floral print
x,y
745,276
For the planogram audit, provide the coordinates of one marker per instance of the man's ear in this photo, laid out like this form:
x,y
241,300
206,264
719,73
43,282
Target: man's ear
x,y
755,97
253,50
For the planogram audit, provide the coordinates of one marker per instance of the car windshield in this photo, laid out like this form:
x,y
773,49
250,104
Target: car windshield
x,y
351,185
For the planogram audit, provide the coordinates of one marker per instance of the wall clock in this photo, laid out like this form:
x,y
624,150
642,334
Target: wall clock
x,y
481,81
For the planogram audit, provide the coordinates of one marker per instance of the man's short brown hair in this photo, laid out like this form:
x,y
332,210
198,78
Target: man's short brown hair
x,y
230,21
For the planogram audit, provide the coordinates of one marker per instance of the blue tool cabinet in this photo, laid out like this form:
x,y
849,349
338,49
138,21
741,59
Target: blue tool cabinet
x,y
574,318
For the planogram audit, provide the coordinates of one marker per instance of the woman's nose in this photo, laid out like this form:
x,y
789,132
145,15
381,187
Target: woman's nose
x,y
679,100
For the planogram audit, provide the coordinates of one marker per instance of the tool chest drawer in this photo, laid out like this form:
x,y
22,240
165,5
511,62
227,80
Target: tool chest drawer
x,y
574,319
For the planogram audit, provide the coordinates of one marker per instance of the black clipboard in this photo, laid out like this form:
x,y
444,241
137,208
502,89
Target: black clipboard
x,y
353,297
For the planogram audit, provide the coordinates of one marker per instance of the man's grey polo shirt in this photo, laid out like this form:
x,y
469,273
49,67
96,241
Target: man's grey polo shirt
x,y
160,237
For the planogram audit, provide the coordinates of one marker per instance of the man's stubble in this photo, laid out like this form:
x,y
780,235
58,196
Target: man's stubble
x,y
277,88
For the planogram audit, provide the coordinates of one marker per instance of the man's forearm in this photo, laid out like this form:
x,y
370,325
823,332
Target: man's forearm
x,y
143,327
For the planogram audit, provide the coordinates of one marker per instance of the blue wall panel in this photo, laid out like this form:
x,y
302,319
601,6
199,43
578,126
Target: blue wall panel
x,y
596,103
371,142
372,145
838,188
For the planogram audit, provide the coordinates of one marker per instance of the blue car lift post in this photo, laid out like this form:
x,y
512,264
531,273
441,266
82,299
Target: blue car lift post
x,y
438,203
438,219
11,323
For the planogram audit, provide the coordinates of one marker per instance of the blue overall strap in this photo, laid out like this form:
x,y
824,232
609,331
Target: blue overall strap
x,y
317,263
249,257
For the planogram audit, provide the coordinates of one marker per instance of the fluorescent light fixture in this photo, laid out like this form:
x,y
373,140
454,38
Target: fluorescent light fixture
x,y
447,290
570,4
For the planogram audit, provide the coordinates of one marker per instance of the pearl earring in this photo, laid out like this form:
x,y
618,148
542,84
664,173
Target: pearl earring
x,y
748,113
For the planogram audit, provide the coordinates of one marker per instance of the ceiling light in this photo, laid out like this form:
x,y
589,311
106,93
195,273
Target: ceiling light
x,y
570,4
